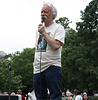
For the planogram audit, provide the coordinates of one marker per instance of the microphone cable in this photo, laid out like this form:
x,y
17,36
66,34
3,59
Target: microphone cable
x,y
42,21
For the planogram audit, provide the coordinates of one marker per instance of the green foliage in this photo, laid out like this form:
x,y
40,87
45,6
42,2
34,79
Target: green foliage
x,y
4,76
79,54
22,71
64,22
88,34
22,63
93,97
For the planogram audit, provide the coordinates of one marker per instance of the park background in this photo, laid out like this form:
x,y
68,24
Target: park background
x,y
79,57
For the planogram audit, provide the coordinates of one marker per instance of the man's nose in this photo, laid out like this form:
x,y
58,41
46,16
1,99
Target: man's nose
x,y
43,13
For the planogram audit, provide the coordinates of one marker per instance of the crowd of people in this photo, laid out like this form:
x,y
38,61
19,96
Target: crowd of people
x,y
76,95
19,92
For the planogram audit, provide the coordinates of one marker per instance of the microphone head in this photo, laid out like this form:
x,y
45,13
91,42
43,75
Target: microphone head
x,y
43,18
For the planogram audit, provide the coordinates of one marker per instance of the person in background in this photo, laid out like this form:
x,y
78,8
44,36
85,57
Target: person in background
x,y
85,97
74,94
78,97
0,92
19,92
5,93
13,93
47,62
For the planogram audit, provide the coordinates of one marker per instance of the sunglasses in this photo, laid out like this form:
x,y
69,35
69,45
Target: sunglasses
x,y
19,91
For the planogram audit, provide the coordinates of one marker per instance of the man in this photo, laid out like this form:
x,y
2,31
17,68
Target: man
x,y
47,62
78,97
19,92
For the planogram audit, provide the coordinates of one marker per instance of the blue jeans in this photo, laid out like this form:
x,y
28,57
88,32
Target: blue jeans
x,y
50,78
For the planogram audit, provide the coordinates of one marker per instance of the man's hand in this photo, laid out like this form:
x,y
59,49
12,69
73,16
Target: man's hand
x,y
41,29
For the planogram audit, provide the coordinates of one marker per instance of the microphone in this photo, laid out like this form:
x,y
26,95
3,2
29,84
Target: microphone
x,y
43,18
42,21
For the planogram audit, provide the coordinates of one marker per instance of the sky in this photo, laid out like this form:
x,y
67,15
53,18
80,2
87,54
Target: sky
x,y
19,20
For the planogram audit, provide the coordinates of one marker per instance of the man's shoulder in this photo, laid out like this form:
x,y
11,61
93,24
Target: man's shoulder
x,y
58,25
78,97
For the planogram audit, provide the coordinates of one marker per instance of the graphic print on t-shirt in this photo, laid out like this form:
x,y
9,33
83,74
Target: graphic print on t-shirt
x,y
42,44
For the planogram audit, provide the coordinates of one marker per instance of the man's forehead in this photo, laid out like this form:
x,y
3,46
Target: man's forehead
x,y
46,7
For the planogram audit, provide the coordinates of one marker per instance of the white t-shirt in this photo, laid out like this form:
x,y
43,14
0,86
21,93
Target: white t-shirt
x,y
48,55
78,97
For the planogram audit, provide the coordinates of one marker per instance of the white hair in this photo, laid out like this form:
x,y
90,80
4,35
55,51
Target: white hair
x,y
54,10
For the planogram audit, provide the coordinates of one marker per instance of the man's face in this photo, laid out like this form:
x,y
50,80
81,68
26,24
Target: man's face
x,y
19,92
47,11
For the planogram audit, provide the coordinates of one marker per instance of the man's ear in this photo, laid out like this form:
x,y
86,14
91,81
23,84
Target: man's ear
x,y
53,17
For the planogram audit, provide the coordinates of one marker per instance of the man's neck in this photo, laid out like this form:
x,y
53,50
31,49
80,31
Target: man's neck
x,y
48,24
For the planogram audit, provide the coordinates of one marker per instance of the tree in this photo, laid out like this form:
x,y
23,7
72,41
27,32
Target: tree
x,y
21,73
69,56
88,34
4,76
79,55
64,22
23,65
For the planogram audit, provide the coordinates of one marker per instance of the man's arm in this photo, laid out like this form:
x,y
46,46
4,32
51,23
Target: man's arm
x,y
55,44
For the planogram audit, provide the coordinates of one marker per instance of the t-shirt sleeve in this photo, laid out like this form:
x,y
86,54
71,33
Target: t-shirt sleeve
x,y
60,34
